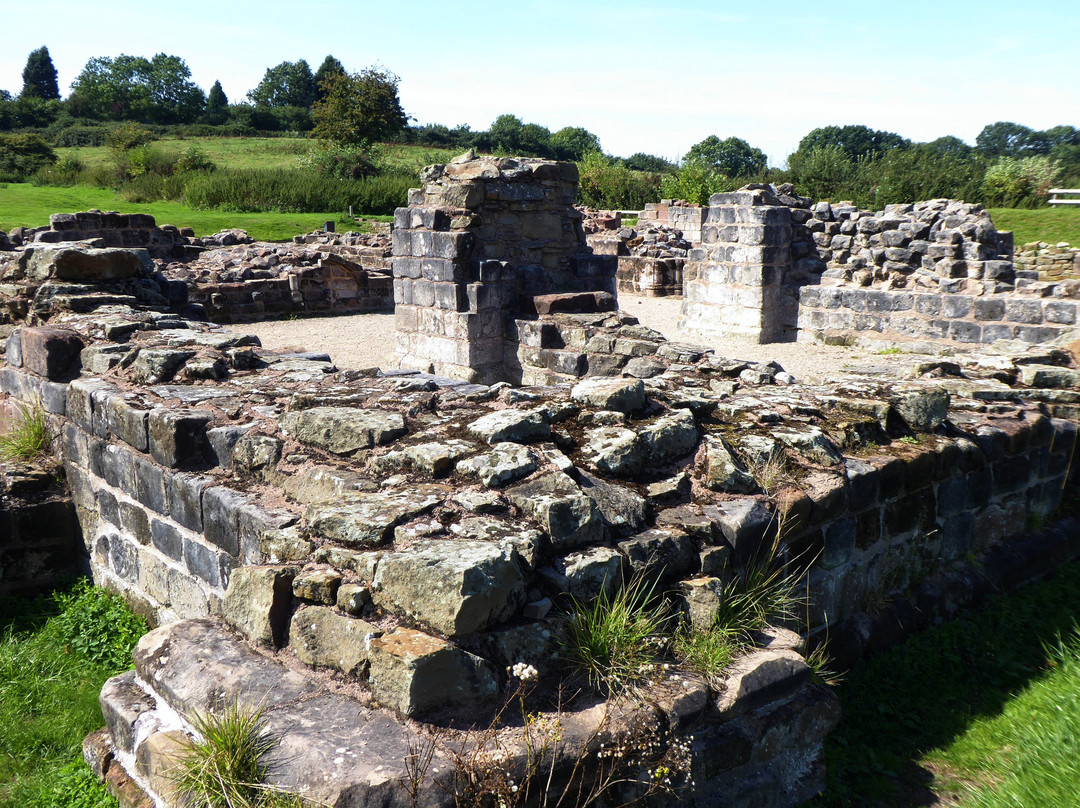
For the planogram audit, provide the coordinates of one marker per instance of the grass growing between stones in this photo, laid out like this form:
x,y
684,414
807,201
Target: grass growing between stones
x,y
56,651
29,436
980,712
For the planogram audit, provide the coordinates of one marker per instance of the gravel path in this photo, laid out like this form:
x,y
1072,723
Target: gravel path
x,y
367,340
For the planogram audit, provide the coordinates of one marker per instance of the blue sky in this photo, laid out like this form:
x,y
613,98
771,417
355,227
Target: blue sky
x,y
643,76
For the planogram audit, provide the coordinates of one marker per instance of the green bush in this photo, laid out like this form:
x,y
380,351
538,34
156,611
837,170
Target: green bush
x,y
1019,182
696,182
608,184
22,155
97,625
294,191
345,162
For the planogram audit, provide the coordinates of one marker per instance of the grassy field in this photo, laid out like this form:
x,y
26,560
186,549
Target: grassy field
x,y
982,712
264,152
1051,225
25,205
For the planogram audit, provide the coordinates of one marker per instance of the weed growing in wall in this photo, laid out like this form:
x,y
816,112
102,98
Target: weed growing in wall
x,y
29,437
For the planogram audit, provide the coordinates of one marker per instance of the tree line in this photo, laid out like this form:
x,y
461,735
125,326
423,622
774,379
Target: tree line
x,y
1009,164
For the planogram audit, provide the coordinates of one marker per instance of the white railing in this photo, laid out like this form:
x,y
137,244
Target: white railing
x,y
1056,200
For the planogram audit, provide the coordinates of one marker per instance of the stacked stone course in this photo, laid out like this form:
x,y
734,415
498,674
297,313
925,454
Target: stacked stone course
x,y
1053,262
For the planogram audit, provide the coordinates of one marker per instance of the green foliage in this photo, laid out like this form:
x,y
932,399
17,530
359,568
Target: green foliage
x,y
1008,139
289,84
39,77
128,136
695,182
329,67
49,695
133,88
764,592
194,159
76,786
573,143
733,156
97,625
822,172
346,162
217,106
978,701
1019,182
617,640
23,154
708,652
855,142
359,108
29,438
295,191
608,184
640,161
1048,224
923,171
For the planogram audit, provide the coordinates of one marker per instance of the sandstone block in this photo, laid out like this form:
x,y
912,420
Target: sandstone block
x,y
504,464
620,395
322,637
454,586
257,602
415,673
342,430
516,426
177,438
53,353
362,520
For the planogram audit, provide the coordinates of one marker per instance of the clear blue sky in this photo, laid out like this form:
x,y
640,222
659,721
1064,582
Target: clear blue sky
x,y
643,76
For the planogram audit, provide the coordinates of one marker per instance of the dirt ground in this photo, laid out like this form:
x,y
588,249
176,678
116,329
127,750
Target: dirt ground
x,y
367,340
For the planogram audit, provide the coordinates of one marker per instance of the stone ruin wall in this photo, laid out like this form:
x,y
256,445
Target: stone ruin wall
x,y
333,519
226,277
1053,262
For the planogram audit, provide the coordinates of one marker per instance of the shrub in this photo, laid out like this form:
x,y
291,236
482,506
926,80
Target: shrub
x,y
194,159
128,136
696,182
1019,182
617,640
30,436
346,162
609,184
294,191
22,155
823,172
97,624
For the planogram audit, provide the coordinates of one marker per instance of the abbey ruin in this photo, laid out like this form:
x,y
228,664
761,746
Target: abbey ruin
x,y
370,555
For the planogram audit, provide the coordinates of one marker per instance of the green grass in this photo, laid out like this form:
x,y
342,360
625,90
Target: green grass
x,y
1051,225
261,152
980,703
56,651
29,437
25,205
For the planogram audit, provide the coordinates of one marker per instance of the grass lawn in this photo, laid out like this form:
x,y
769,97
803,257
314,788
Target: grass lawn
x,y
981,712
1041,224
264,152
25,205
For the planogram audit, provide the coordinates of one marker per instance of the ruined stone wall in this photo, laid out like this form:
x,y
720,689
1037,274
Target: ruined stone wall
x,y
682,216
477,243
109,229
735,282
1053,262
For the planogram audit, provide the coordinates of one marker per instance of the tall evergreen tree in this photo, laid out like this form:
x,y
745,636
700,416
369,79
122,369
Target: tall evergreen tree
x,y
39,77
217,105
329,67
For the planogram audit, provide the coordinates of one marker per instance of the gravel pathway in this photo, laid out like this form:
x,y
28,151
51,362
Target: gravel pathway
x,y
367,340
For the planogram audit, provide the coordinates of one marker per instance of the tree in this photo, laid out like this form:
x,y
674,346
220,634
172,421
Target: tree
x,y
574,142
733,156
1004,139
133,88
508,134
289,84
855,141
949,145
217,106
329,67
359,108
39,77
649,162
22,155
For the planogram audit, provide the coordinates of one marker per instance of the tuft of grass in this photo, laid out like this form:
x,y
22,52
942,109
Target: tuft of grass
x,y
893,351
225,766
29,438
707,652
617,640
764,592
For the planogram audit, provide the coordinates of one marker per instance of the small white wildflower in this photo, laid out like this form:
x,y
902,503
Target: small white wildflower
x,y
524,672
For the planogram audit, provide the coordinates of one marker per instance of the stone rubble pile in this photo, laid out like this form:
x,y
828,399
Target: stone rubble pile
x,y
651,256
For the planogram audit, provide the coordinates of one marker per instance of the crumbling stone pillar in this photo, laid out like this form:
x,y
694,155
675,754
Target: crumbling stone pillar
x,y
735,280
475,245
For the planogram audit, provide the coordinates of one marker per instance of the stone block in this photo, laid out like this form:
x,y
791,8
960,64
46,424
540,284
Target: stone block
x,y
185,499
165,536
122,702
135,521
415,673
52,353
988,308
258,602
177,437
221,517
619,395
659,555
324,638
343,430
759,677
839,542
1026,311
150,486
318,586
203,562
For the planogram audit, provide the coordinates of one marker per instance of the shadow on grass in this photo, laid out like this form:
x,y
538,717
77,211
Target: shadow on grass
x,y
922,694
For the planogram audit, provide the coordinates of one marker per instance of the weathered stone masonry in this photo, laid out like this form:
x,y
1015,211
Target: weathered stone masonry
x,y
409,535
